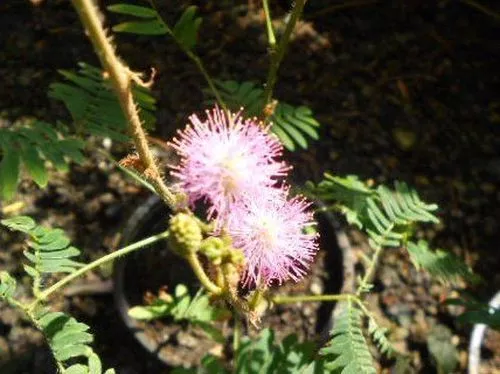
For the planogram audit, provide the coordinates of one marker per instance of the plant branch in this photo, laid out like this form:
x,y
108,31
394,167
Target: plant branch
x,y
193,260
277,53
370,272
482,8
121,78
109,257
269,26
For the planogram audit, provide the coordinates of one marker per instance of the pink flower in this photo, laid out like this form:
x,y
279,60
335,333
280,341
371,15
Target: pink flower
x,y
271,231
225,158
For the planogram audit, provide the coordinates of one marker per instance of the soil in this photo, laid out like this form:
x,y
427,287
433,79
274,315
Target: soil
x,y
404,90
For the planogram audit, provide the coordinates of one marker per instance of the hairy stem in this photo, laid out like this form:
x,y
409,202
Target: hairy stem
x,y
193,260
277,53
109,257
311,298
121,78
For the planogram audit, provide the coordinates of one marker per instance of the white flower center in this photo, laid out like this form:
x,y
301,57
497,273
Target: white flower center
x,y
268,231
233,172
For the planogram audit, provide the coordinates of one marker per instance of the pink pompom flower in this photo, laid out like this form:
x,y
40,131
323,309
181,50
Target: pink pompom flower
x,y
271,231
225,158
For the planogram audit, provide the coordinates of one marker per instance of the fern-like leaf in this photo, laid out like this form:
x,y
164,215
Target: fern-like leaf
x,y
50,250
197,310
386,215
293,125
444,266
379,337
32,144
147,21
263,355
94,106
69,339
348,351
348,194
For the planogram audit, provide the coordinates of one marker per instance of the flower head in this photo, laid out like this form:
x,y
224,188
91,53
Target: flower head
x,y
271,231
225,158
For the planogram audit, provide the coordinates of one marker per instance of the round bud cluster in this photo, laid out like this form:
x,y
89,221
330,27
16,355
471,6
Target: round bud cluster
x,y
185,234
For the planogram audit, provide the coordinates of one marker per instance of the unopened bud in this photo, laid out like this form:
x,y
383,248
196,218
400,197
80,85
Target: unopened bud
x,y
214,248
185,234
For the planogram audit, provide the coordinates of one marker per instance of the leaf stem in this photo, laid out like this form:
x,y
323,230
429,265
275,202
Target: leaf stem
x,y
277,53
109,257
269,26
121,78
236,332
309,298
193,260
370,272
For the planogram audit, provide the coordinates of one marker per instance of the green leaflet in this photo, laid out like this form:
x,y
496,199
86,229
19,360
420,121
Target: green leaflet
x,y
444,266
95,108
294,126
50,250
69,339
197,310
32,145
147,21
385,215
348,351
7,286
9,172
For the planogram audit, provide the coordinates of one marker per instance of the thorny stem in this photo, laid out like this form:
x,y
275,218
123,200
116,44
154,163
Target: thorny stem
x,y
193,260
193,58
121,78
278,53
109,257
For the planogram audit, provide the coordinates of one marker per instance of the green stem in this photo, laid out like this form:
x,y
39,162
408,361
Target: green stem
x,y
256,298
269,26
109,257
309,298
370,272
278,53
236,333
207,77
193,260
127,171
482,8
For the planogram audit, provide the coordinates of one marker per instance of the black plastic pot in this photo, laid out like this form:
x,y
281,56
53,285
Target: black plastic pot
x,y
156,266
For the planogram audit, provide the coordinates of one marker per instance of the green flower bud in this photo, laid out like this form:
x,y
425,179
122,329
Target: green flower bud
x,y
214,248
185,234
